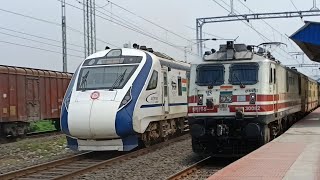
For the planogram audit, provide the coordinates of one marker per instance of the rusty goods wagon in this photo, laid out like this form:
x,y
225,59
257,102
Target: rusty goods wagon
x,y
29,95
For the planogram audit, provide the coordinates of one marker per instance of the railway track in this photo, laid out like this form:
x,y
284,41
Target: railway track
x,y
43,134
4,140
76,165
200,170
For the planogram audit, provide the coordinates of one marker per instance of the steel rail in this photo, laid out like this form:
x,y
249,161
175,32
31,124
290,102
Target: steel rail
x,y
7,140
42,134
71,167
41,167
189,170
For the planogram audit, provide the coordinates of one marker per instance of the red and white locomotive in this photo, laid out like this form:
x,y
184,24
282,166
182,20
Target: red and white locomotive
x,y
240,99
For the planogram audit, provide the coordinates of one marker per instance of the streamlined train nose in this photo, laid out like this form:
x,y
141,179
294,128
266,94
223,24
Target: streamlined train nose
x,y
93,119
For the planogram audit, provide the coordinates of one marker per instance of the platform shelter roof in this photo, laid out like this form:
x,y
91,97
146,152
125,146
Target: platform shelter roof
x,y
308,39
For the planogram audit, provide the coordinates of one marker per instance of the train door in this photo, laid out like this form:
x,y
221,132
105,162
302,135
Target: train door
x,y
165,94
274,88
33,98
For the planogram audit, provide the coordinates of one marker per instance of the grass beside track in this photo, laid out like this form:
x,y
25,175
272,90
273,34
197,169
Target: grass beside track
x,y
43,148
34,149
41,126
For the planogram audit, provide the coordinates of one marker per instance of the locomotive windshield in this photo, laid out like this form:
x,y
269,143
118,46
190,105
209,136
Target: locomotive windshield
x,y
210,75
245,74
104,77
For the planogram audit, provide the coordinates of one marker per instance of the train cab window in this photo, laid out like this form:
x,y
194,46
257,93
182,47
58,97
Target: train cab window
x,y
179,86
210,75
153,81
244,73
104,77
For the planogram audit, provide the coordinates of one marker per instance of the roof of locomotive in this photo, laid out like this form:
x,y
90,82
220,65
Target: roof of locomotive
x,y
135,52
243,53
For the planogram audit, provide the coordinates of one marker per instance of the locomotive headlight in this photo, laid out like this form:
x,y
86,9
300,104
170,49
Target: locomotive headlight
x,y
253,98
127,98
228,98
200,99
225,98
222,99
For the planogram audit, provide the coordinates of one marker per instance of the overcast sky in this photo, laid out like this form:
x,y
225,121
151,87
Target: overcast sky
x,y
178,16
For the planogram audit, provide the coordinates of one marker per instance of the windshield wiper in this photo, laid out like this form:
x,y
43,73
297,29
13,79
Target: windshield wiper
x,y
83,82
214,82
241,84
118,80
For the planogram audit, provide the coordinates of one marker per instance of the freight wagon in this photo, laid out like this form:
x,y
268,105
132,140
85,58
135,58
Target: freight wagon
x,y
29,95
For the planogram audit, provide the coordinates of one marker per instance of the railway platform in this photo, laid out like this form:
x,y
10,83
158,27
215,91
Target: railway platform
x,y
294,155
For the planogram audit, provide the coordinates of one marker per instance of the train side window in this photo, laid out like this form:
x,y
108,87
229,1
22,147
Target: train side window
x,y
274,75
153,81
287,83
165,84
299,84
270,76
179,86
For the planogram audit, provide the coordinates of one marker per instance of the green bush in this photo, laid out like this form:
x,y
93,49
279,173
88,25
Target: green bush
x,y
42,125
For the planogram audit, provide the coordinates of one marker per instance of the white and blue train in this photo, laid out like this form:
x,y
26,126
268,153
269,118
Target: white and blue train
x,y
120,98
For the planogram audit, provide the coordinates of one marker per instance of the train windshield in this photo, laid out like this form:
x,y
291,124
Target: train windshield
x,y
105,77
210,75
245,74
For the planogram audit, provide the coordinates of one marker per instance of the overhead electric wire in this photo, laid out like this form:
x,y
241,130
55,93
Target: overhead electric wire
x,y
274,29
38,41
210,34
100,6
149,21
40,37
33,47
38,19
50,22
140,30
261,19
30,17
136,28
294,5
251,26
117,22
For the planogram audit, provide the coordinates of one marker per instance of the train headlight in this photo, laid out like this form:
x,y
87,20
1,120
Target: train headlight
x,y
253,98
127,98
200,99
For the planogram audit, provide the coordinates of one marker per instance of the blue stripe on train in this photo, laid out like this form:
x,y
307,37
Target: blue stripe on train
x,y
72,143
158,105
65,105
124,125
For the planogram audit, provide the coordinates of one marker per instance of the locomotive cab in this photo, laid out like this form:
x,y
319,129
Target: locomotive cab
x,y
119,97
101,91
236,100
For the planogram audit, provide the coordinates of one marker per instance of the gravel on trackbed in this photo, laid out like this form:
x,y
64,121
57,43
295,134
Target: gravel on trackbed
x,y
159,164
28,152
